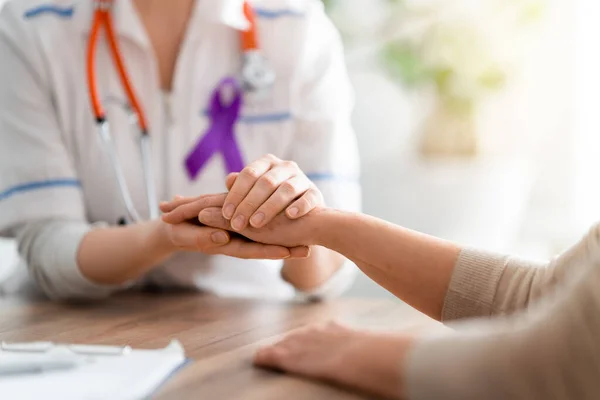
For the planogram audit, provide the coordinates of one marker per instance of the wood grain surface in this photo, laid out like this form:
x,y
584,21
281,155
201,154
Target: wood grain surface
x,y
220,335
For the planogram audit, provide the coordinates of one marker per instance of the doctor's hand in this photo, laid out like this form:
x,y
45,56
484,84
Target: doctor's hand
x,y
190,236
208,210
264,189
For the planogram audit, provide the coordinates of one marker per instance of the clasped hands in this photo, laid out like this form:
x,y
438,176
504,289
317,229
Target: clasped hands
x,y
271,211
260,217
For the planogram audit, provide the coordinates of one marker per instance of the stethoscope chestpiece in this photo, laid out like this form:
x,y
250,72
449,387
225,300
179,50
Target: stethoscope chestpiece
x,y
257,74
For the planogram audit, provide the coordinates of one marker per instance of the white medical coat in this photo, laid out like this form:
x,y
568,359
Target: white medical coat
x,y
53,166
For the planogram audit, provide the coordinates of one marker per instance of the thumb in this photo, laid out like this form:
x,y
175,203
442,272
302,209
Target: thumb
x,y
192,237
300,252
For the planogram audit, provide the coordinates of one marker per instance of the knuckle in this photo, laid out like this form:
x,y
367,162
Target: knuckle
x,y
250,172
176,215
320,327
268,181
291,165
309,199
205,201
288,188
235,196
270,157
315,196
268,208
334,325
304,203
248,205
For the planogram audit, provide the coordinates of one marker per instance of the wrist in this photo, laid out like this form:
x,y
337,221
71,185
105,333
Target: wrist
x,y
322,225
158,240
375,362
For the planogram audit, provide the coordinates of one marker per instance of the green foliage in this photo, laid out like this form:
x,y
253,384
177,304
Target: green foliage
x,y
405,62
492,79
454,53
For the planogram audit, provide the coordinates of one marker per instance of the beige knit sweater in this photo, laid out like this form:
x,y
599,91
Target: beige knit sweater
x,y
542,342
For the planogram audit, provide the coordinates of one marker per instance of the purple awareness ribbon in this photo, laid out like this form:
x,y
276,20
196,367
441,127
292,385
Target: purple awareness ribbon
x,y
220,136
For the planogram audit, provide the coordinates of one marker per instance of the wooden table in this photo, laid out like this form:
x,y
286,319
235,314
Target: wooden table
x,y
221,336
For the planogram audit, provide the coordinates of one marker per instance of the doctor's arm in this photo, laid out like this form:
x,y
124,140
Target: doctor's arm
x,y
42,200
320,165
74,260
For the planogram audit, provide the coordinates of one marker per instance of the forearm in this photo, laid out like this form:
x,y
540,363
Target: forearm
x,y
416,268
120,254
549,351
310,273
51,247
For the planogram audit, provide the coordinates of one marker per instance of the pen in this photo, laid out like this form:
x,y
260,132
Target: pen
x,y
17,368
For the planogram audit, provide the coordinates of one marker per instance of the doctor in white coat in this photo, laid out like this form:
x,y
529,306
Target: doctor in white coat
x,y
88,149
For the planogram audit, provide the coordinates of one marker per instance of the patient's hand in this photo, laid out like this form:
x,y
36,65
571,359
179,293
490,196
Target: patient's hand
x,y
261,191
264,189
369,361
207,210
259,199
280,231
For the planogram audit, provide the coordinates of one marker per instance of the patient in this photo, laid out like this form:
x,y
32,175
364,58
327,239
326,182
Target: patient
x,y
539,339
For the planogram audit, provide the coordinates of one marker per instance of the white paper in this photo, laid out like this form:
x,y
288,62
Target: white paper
x,y
133,376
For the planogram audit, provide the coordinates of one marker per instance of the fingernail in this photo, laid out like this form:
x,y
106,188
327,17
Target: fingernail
x,y
238,222
228,211
178,197
257,219
293,212
219,237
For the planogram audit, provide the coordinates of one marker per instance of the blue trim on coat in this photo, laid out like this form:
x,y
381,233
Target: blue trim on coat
x,y
63,12
261,118
327,176
31,186
274,14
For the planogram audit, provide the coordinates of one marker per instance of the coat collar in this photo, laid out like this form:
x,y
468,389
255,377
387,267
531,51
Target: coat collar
x,y
128,24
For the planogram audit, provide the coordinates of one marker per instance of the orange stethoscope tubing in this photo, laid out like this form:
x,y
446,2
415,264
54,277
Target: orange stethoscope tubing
x,y
103,19
249,38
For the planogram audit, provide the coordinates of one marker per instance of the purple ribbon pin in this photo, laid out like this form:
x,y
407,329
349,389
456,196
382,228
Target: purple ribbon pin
x,y
220,136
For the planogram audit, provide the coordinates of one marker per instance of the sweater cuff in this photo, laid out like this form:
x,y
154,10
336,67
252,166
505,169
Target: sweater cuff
x,y
473,285
74,283
55,267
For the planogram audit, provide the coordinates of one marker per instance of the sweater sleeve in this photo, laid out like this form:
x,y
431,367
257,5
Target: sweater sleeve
x,y
547,351
49,248
485,284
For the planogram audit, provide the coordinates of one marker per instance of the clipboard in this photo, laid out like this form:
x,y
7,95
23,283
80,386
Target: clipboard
x,y
103,372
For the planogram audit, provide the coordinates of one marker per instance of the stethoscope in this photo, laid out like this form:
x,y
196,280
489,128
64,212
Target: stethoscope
x,y
256,75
